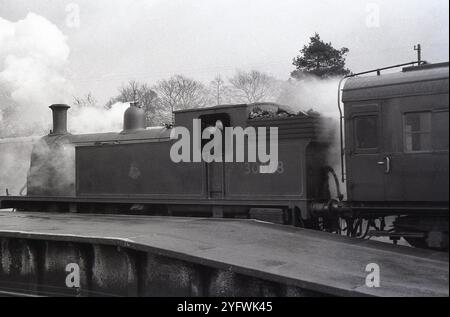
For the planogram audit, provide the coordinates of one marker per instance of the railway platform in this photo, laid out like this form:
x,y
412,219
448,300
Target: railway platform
x,y
118,255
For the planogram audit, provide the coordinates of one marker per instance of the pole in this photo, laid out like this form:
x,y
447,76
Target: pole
x,y
418,48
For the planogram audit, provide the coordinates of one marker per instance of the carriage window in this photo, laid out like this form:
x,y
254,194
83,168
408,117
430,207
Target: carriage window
x,y
417,130
366,132
440,131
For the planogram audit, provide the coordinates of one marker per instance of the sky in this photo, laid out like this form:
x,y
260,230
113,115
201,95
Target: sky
x,y
114,41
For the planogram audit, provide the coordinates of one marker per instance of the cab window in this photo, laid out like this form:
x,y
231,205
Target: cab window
x,y
417,132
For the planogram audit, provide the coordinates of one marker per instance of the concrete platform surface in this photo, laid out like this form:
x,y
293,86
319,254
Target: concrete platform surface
x,y
312,260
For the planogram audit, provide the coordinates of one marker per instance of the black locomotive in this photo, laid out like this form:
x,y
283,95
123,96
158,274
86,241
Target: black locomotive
x,y
394,164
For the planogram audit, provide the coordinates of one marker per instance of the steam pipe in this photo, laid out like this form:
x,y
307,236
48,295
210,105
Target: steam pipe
x,y
341,130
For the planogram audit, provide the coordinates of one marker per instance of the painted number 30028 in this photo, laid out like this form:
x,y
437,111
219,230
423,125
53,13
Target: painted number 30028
x,y
254,168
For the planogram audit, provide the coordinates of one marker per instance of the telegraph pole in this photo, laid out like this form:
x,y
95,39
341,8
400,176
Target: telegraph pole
x,y
418,48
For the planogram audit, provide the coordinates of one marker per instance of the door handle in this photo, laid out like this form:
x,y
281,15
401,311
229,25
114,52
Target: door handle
x,y
387,163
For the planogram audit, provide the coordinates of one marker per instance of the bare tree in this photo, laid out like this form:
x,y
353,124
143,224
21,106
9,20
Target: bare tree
x,y
132,91
218,89
88,101
253,86
179,93
142,93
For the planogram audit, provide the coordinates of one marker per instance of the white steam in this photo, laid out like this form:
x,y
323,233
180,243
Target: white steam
x,y
33,59
313,93
319,95
96,120
14,164
34,56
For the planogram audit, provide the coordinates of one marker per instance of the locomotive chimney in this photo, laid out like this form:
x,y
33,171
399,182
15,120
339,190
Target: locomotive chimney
x,y
59,119
134,118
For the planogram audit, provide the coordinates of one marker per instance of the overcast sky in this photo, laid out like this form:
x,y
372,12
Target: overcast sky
x,y
147,40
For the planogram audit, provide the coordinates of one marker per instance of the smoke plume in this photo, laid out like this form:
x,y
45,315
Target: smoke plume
x,y
14,164
83,120
33,59
313,93
320,96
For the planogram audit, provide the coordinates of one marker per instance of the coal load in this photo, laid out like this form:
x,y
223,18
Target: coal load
x,y
265,114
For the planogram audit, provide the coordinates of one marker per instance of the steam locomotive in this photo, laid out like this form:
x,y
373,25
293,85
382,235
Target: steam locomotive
x,y
394,154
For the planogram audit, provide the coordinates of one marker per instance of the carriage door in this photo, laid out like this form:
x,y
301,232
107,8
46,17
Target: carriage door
x,y
215,176
418,149
366,164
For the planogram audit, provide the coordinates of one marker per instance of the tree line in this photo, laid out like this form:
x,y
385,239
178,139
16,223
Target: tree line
x,y
318,59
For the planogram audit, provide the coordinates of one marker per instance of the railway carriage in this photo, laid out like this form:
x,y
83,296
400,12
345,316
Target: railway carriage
x,y
396,149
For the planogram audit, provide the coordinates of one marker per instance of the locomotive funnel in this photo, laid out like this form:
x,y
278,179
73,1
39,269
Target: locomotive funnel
x,y
134,118
59,119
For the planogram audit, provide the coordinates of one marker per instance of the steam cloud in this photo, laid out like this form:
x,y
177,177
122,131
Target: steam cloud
x,y
14,164
96,119
313,93
33,60
319,95
34,56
